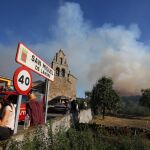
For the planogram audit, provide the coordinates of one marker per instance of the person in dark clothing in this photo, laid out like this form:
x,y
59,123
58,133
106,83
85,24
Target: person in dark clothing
x,y
75,112
73,106
35,110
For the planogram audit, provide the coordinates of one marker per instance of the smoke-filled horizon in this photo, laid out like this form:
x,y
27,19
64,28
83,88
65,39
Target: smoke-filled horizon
x,y
93,52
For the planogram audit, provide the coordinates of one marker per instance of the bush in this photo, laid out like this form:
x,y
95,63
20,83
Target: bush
x,y
93,137
84,137
134,109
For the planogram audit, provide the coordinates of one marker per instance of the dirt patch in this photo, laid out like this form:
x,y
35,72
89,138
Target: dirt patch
x,y
141,122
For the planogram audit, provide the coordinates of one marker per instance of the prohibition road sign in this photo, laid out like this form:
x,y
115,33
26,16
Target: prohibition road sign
x,y
22,80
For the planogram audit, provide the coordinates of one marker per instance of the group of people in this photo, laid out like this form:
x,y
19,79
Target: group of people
x,y
34,109
34,112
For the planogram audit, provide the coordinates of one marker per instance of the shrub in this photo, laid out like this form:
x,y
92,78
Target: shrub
x,y
84,137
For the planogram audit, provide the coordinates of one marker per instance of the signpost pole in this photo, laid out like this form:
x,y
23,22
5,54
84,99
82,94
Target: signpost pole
x,y
17,113
46,98
26,57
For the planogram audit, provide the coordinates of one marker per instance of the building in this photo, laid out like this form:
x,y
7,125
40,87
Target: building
x,y
64,83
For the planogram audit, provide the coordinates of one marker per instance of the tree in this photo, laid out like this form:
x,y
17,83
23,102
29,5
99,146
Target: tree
x,y
103,96
145,98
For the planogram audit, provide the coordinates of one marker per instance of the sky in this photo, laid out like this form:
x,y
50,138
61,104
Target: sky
x,y
99,37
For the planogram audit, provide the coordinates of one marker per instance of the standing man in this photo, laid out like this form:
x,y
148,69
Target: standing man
x,y
34,109
74,112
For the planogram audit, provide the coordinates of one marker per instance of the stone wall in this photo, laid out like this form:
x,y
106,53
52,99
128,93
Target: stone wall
x,y
61,123
62,86
85,116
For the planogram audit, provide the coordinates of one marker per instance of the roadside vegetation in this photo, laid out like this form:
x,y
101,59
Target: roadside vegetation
x,y
130,106
83,137
94,138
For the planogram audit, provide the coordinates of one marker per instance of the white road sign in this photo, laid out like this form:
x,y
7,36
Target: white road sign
x,y
27,58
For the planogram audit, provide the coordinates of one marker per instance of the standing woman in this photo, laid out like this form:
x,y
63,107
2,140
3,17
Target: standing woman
x,y
7,119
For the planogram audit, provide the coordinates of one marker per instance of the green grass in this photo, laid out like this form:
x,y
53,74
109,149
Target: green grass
x,y
88,140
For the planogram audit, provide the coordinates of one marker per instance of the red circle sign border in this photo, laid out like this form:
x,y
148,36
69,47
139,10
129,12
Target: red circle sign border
x,y
18,70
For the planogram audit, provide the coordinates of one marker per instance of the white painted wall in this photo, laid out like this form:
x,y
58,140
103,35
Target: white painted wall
x,y
85,116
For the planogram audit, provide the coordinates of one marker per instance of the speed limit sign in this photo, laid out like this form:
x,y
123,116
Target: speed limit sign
x,y
22,80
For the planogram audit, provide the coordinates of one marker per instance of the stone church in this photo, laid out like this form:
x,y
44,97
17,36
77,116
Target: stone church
x,y
64,83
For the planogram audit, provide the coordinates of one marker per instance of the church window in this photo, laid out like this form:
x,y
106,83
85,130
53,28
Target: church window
x,y
63,72
57,71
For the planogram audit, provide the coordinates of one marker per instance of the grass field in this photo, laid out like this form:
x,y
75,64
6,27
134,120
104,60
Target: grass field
x,y
139,122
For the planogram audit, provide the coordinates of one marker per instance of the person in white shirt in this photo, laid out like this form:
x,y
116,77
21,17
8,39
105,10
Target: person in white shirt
x,y
7,120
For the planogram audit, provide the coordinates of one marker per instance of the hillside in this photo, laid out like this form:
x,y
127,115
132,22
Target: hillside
x,y
134,99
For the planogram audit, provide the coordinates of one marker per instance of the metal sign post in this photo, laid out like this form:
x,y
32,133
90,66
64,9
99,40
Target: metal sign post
x,y
46,97
22,82
26,57
17,113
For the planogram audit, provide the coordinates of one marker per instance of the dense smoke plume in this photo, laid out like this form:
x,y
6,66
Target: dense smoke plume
x,y
113,51
93,52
